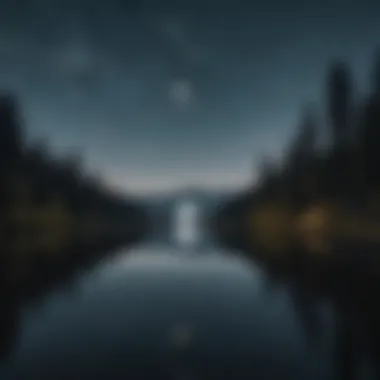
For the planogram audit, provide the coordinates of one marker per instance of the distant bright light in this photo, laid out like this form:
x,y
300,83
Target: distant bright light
x,y
180,92
186,223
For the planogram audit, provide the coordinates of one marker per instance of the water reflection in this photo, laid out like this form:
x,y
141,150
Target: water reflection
x,y
186,221
153,311
9,320
214,315
350,287
29,289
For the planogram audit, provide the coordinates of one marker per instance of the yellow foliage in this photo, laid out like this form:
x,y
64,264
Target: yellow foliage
x,y
44,228
275,226
317,219
54,226
53,215
270,225
315,227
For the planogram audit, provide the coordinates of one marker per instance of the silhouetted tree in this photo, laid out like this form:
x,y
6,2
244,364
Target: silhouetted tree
x,y
52,197
340,103
301,156
375,79
369,133
10,131
348,273
10,157
339,99
302,148
268,176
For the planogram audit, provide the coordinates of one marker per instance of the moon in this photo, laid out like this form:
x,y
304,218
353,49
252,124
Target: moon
x,y
181,92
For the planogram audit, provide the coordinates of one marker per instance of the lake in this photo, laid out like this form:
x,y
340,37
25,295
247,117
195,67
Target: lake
x,y
158,311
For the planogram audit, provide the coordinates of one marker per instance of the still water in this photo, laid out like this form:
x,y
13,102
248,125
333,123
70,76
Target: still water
x,y
157,312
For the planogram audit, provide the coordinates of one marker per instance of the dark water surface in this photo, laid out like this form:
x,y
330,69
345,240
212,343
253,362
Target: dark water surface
x,y
157,311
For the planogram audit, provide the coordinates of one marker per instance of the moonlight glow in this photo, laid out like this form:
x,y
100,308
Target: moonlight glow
x,y
180,92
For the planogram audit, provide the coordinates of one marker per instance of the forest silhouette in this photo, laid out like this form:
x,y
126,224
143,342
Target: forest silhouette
x,y
312,220
55,220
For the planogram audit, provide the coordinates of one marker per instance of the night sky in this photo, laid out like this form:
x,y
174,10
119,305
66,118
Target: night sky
x,y
163,96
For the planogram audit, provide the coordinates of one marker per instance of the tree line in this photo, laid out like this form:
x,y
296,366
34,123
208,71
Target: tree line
x,y
324,199
49,206
339,173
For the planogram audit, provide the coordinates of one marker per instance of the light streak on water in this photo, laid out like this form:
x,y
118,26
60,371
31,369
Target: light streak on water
x,y
186,224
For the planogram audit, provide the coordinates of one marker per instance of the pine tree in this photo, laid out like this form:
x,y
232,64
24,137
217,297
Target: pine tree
x,y
339,99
